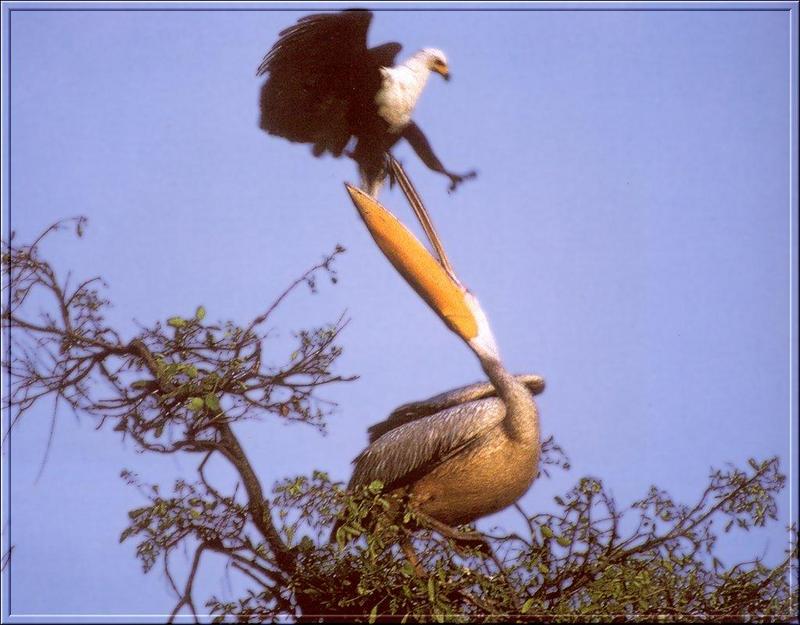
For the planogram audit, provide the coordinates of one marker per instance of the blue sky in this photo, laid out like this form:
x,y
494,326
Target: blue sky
x,y
628,236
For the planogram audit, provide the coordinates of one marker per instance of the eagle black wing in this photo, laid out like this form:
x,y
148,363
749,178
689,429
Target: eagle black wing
x,y
322,80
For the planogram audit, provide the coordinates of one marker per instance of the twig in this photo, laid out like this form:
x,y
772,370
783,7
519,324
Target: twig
x,y
186,599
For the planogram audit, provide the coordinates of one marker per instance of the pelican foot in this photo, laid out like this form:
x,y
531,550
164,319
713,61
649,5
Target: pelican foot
x,y
475,538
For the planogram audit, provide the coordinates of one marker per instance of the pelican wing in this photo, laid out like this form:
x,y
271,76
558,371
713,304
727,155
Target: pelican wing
x,y
449,399
417,446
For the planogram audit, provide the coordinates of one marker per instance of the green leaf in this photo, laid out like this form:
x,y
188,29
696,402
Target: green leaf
x,y
200,313
563,541
375,486
191,371
546,531
196,404
176,322
431,589
138,384
212,402
171,369
373,613
132,514
526,606
306,544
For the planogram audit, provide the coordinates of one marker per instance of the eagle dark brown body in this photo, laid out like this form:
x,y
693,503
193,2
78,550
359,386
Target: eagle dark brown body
x,y
328,89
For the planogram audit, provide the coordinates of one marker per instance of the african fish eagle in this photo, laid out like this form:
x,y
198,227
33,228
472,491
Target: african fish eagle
x,y
325,87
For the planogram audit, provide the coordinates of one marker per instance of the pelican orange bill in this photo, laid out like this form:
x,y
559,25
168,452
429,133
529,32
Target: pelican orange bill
x,y
419,268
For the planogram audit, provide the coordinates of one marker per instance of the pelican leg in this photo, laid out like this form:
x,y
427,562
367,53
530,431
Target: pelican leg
x,y
453,534
411,555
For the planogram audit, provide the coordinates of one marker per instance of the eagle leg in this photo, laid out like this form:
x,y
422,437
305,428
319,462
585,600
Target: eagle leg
x,y
457,179
419,142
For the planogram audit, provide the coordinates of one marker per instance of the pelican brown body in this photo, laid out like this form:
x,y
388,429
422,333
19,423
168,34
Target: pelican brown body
x,y
466,453
460,455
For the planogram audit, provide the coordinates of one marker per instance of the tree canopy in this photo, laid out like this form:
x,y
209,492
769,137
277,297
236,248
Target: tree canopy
x,y
181,387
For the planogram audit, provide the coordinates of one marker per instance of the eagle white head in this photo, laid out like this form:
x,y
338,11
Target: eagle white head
x,y
436,61
402,86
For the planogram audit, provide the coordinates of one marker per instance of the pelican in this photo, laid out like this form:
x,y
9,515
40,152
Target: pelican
x,y
465,453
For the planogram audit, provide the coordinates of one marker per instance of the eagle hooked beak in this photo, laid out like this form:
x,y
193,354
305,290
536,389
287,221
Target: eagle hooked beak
x,y
440,67
441,290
